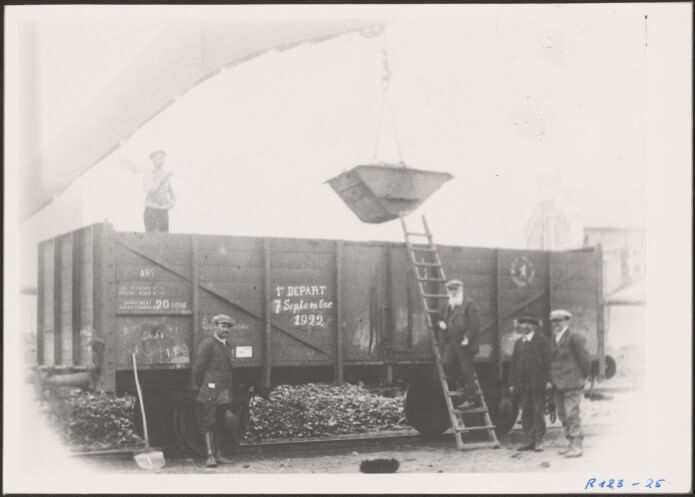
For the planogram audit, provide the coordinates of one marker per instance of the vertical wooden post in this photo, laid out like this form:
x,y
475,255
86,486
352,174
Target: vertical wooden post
x,y
58,301
268,343
600,328
77,241
195,296
339,372
40,311
105,275
548,297
498,316
388,337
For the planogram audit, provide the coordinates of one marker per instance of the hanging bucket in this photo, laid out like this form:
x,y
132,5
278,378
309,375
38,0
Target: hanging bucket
x,y
379,193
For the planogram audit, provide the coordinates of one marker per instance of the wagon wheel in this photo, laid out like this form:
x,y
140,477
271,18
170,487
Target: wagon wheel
x,y
160,422
425,409
189,434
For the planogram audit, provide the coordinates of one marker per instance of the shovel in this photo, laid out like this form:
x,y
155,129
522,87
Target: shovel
x,y
150,459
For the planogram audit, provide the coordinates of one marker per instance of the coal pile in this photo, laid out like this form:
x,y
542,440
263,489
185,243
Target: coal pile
x,y
91,421
318,410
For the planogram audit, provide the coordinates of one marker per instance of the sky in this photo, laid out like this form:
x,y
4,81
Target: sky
x,y
588,100
499,96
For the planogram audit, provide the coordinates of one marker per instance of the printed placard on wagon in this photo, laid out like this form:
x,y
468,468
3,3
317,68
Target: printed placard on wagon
x,y
307,304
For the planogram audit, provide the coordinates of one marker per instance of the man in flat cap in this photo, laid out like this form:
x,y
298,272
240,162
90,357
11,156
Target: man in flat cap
x,y
529,375
159,195
212,375
569,368
459,320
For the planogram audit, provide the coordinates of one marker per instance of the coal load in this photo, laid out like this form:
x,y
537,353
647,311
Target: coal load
x,y
318,410
93,421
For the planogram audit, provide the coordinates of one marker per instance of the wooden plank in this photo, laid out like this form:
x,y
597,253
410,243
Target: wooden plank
x,y
195,294
339,366
40,306
296,260
303,245
497,320
234,274
106,282
240,259
172,241
57,301
267,343
220,244
600,325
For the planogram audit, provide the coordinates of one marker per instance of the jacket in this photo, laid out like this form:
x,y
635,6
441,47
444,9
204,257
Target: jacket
x,y
570,362
530,366
462,322
212,372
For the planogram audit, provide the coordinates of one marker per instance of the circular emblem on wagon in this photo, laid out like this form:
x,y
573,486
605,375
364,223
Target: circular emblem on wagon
x,y
522,271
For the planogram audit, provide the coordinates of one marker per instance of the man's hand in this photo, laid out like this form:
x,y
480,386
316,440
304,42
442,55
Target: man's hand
x,y
512,390
442,325
549,386
464,342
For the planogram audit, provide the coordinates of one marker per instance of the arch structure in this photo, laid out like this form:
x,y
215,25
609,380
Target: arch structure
x,y
182,56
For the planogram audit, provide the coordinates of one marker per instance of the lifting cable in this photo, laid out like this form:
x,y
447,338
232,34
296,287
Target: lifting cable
x,y
386,101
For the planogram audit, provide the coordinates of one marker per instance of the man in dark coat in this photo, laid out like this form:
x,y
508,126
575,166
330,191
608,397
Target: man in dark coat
x,y
569,367
459,320
212,375
528,378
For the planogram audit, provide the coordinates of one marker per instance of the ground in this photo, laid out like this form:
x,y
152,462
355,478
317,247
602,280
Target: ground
x,y
611,427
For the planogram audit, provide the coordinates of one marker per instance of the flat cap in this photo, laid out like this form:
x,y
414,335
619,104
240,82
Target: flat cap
x,y
529,319
454,284
560,314
157,152
223,318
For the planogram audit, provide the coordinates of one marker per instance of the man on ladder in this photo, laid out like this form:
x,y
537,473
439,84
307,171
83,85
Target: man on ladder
x,y
461,325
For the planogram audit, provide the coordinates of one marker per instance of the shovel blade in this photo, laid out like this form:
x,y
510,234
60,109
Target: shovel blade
x,y
150,460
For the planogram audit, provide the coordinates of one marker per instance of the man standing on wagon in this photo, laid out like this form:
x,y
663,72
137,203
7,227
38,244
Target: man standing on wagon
x,y
212,375
569,369
460,322
159,195
528,379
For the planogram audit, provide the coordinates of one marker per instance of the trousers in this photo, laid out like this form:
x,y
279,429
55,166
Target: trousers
x,y
567,403
210,416
458,364
156,220
533,413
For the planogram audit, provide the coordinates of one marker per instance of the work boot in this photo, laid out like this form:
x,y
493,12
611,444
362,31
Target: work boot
x,y
566,449
218,452
210,462
539,445
526,446
575,449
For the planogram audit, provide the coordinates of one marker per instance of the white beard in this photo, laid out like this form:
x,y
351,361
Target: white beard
x,y
456,300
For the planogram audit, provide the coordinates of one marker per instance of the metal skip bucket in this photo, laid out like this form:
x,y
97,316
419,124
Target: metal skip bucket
x,y
379,193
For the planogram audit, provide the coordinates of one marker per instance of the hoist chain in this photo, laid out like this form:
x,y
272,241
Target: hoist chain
x,y
385,100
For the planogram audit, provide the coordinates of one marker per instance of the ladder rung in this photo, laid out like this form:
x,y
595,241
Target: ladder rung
x,y
435,295
432,311
461,393
430,279
472,410
412,233
423,249
465,429
481,445
428,264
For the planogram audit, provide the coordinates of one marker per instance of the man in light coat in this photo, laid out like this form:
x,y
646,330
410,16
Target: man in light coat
x,y
569,368
529,375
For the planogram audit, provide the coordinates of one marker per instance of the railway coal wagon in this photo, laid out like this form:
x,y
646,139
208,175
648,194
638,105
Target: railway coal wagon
x,y
306,310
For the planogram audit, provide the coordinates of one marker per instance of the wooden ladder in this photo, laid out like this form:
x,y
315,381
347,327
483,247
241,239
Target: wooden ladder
x,y
427,266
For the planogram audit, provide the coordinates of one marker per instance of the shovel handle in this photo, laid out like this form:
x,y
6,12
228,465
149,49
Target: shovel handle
x,y
142,403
